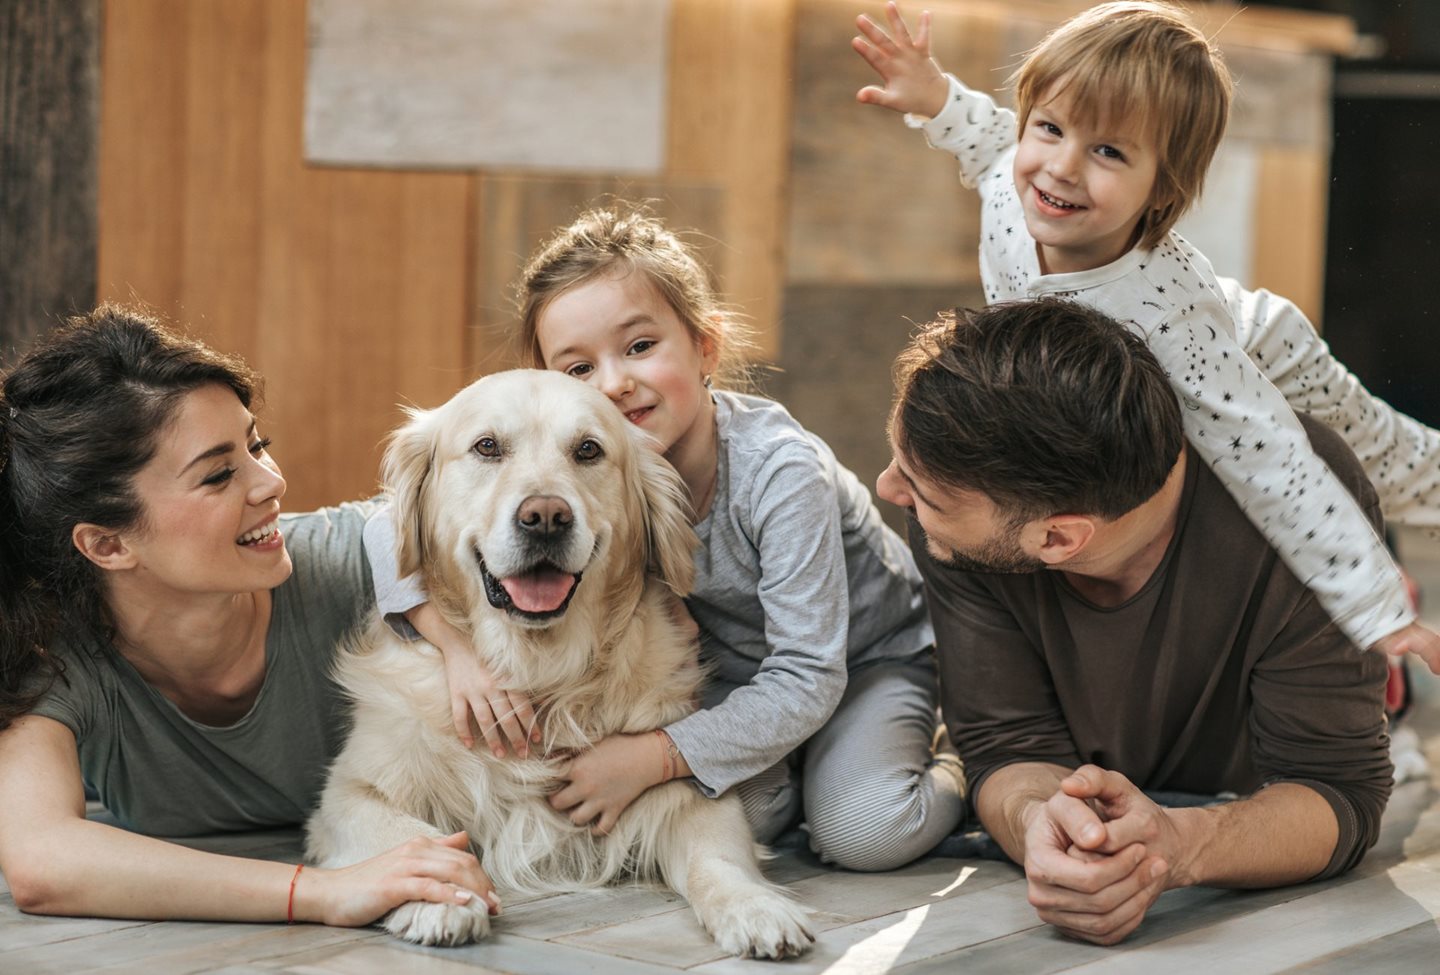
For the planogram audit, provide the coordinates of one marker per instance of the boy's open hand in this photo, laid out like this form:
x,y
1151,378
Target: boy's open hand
x,y
1417,639
913,82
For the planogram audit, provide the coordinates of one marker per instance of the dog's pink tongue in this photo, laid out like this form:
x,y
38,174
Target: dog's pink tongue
x,y
540,591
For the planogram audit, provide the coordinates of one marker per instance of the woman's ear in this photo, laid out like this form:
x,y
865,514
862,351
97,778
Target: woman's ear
x,y
105,548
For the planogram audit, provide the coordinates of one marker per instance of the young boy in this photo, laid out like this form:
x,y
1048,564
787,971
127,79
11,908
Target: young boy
x,y
1120,111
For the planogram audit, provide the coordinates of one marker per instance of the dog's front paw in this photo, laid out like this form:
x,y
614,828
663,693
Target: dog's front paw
x,y
440,924
759,923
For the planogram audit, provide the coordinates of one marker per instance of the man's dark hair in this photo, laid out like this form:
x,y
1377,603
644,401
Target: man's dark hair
x,y
1046,407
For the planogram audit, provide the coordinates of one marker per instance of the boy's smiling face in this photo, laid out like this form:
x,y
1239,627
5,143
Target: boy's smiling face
x,y
1083,186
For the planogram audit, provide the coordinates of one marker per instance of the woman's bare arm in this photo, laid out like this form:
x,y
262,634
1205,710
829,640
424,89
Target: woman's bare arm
x,y
58,862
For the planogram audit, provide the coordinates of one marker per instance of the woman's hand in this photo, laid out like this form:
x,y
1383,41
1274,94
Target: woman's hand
x,y
438,871
603,781
501,716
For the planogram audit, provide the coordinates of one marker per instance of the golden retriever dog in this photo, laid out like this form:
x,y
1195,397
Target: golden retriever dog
x,y
545,528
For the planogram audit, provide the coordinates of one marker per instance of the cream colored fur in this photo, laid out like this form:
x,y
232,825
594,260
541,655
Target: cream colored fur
x,y
614,661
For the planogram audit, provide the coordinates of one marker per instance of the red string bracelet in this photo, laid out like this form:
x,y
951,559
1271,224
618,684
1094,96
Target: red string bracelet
x,y
290,905
667,764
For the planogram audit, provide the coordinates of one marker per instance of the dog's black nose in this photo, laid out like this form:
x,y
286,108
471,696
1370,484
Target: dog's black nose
x,y
544,515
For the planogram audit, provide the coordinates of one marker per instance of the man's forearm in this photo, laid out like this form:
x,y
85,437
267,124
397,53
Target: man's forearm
x,y
1282,835
1008,795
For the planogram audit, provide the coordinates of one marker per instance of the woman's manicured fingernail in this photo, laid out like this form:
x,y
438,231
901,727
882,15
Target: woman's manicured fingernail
x,y
464,896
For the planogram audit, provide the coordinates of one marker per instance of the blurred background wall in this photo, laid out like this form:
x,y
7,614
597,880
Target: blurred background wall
x,y
342,191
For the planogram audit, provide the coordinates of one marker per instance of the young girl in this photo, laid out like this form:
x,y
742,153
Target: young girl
x,y
823,689
1119,113
167,637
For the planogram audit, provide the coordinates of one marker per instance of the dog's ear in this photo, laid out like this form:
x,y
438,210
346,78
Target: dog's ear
x,y
405,470
669,539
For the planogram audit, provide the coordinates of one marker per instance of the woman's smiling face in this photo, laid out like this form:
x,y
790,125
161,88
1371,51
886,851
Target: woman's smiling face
x,y
211,499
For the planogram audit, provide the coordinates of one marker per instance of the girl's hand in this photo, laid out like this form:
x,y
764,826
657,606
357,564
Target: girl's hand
x,y
603,781
913,82
440,871
500,715
680,613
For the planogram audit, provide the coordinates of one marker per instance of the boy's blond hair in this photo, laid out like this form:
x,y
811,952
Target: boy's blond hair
x,y
1146,67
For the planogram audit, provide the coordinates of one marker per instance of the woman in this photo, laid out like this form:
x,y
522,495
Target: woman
x,y
166,637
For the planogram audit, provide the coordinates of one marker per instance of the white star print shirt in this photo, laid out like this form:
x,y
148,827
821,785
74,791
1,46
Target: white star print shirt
x,y
1235,418
1400,454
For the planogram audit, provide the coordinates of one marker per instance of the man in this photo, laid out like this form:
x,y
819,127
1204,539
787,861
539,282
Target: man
x,y
1109,622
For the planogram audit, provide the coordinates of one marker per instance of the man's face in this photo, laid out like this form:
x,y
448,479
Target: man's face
x,y
963,529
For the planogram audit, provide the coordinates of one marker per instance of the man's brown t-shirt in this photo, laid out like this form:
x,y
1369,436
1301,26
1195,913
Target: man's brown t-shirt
x,y
1222,673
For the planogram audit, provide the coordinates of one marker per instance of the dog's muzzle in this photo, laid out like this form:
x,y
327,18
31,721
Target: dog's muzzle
x,y
543,590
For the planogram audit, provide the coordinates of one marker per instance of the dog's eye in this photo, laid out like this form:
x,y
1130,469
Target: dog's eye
x,y
589,450
487,447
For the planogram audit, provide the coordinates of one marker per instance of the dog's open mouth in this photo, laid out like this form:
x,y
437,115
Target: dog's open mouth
x,y
539,593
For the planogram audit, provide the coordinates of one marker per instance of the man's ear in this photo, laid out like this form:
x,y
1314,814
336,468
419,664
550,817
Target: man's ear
x,y
105,548
1059,538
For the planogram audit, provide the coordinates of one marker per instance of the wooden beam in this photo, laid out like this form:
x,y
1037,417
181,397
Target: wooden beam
x,y
49,125
729,124
346,289
1289,239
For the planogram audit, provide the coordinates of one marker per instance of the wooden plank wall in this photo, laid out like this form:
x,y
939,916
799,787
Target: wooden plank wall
x,y
871,206
346,289
564,85
725,176
881,234
49,107
354,290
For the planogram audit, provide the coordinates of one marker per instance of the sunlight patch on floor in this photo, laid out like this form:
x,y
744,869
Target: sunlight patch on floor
x,y
960,878
878,952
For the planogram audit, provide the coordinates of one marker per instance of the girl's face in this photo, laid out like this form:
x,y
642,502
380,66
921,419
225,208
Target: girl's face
x,y
211,496
1083,189
619,334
